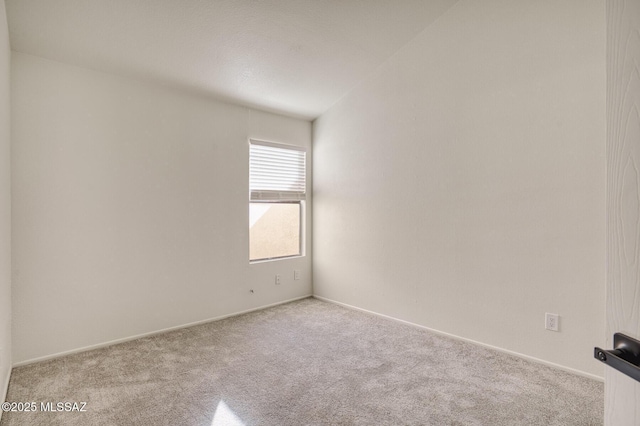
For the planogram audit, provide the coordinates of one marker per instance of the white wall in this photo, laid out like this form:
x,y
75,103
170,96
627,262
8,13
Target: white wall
x,y
5,208
130,206
462,186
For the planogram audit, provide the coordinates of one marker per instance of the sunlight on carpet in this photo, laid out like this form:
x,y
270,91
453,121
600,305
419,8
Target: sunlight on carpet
x,y
224,416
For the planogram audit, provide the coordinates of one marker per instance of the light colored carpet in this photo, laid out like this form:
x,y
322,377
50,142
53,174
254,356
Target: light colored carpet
x,y
303,363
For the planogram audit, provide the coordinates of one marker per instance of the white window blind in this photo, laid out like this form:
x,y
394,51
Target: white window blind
x,y
276,172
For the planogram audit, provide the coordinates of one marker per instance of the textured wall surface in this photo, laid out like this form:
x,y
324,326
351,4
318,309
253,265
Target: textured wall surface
x,y
462,186
622,394
5,208
131,208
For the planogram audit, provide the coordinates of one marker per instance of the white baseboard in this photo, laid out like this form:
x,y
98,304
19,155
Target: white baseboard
x,y
453,336
152,333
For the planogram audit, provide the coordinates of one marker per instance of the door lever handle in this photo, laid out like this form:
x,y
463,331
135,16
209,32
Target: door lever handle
x,y
624,357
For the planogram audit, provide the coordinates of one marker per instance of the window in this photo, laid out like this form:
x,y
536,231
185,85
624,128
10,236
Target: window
x,y
277,190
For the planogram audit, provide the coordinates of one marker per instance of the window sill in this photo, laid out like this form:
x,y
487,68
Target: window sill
x,y
275,259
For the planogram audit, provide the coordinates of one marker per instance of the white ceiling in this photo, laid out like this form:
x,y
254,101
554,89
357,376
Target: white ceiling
x,y
296,57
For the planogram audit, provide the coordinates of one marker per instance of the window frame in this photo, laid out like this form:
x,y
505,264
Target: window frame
x,y
278,198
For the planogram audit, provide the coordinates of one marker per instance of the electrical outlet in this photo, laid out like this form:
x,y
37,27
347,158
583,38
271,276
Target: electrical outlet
x,y
277,279
296,274
551,321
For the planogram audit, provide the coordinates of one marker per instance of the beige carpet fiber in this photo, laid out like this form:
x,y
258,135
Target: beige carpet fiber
x,y
303,363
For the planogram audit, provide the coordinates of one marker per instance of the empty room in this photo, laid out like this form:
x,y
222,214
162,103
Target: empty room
x,y
319,212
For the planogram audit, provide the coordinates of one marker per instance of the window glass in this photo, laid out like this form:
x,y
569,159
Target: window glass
x,y
274,230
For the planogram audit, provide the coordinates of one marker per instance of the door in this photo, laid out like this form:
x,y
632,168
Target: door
x,y
622,394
